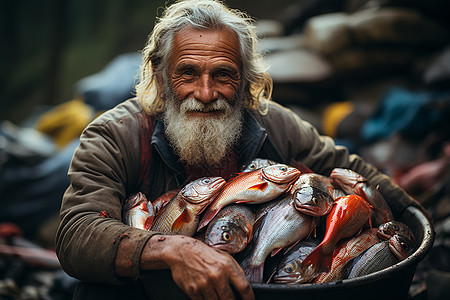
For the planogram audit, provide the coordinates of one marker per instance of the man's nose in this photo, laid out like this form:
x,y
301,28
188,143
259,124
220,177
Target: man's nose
x,y
205,90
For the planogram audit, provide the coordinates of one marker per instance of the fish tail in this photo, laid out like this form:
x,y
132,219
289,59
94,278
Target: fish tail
x,y
317,262
254,274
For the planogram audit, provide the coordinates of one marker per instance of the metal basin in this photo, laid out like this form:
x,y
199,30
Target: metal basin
x,y
390,283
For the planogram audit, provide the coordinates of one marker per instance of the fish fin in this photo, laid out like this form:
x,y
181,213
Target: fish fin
x,y
243,201
260,186
181,220
259,220
291,246
320,263
148,223
271,276
254,274
275,252
235,176
249,229
207,217
314,229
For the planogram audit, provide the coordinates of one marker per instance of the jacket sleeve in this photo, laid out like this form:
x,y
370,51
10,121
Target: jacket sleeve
x,y
322,155
103,168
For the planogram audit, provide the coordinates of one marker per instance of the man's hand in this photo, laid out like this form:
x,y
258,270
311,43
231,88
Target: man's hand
x,y
199,270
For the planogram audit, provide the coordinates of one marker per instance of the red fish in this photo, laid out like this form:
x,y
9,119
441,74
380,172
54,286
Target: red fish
x,y
348,216
255,187
181,214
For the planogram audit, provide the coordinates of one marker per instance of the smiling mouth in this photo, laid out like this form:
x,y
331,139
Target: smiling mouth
x,y
204,112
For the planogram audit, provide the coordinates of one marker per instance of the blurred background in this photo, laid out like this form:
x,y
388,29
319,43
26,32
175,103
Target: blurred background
x,y
374,75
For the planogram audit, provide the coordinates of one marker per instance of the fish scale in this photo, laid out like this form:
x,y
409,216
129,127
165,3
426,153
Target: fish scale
x,y
378,257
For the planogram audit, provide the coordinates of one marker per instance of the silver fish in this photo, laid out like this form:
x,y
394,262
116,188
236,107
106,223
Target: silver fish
x,y
282,227
381,256
377,257
313,194
138,212
294,257
231,229
258,163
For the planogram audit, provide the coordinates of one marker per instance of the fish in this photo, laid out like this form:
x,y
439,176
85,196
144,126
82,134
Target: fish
x,y
162,200
346,250
354,183
138,212
258,163
283,226
402,246
389,229
347,217
287,267
231,229
255,187
181,214
313,194
382,255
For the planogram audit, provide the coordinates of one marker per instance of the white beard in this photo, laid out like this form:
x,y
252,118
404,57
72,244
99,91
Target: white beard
x,y
201,141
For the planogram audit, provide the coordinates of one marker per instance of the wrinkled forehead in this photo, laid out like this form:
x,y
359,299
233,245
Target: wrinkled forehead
x,y
220,43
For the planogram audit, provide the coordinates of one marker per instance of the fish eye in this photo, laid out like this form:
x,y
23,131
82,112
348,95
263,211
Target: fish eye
x,y
289,269
206,180
283,168
252,166
404,245
226,236
315,200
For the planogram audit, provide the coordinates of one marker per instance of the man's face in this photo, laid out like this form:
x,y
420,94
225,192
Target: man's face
x,y
205,65
203,95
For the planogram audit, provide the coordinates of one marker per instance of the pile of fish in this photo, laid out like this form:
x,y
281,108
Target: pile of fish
x,y
283,224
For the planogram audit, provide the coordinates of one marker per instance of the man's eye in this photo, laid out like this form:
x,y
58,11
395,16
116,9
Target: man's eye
x,y
188,73
223,75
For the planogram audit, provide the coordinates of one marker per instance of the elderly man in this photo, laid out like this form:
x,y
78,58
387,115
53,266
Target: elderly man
x,y
202,109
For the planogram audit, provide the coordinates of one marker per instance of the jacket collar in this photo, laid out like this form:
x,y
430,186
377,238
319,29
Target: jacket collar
x,y
250,142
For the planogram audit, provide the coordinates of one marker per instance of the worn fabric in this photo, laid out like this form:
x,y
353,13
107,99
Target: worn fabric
x,y
106,167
